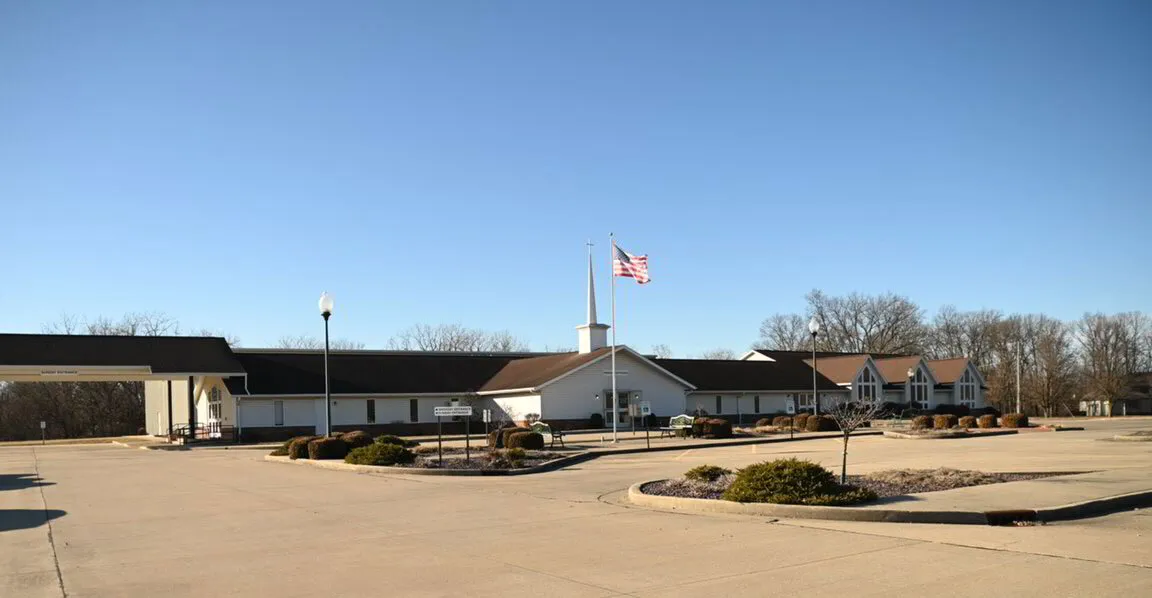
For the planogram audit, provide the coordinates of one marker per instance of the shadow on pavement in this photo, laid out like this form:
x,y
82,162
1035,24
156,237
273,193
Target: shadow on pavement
x,y
20,481
14,519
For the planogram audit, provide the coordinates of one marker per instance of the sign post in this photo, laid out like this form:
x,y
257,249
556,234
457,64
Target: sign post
x,y
43,427
449,411
646,413
487,417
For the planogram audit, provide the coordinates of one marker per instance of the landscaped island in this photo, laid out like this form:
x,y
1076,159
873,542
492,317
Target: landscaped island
x,y
796,482
511,448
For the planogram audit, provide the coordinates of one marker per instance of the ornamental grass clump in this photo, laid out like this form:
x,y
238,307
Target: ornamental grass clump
x,y
968,422
1014,420
945,422
390,439
922,422
987,421
793,482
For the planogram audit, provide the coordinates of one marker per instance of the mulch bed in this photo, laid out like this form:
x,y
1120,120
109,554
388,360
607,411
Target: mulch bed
x,y
884,483
478,461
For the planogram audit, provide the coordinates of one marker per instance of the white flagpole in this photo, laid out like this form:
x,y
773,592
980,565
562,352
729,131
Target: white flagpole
x,y
612,270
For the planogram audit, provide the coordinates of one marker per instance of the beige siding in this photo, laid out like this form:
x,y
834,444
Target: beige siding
x,y
574,397
156,405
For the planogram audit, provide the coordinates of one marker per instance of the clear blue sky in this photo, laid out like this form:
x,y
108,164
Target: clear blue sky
x,y
437,162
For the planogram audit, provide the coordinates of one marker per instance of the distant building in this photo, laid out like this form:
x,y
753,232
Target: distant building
x,y
1137,399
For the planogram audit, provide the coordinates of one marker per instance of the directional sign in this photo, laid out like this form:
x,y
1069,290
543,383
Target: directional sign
x,y
452,411
487,416
43,424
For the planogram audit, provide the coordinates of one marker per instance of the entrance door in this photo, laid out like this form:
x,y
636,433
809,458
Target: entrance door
x,y
215,412
621,407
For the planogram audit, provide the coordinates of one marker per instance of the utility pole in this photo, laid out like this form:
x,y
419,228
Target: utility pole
x,y
1018,357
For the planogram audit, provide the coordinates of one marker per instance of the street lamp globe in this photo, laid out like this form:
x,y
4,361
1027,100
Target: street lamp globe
x,y
911,373
325,304
813,326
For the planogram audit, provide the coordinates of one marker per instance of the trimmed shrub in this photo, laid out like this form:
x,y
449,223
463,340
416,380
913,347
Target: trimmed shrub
x,y
706,473
398,441
327,448
356,439
781,421
298,447
985,411
282,450
528,440
922,422
716,428
792,482
821,423
967,422
987,421
800,421
380,454
516,454
596,421
944,422
1014,420
764,422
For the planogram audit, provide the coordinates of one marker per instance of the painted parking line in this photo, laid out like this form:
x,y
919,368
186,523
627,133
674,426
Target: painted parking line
x,y
682,455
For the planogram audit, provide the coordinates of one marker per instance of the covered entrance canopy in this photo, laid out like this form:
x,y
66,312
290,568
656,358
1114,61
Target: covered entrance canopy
x,y
94,358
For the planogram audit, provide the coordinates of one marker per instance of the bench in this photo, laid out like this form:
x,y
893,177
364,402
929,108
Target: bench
x,y
676,424
545,430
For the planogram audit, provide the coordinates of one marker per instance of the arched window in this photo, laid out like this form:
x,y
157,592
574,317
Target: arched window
x,y
918,390
966,389
866,386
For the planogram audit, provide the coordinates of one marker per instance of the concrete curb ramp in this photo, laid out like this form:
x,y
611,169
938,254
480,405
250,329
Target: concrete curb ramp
x,y
1089,508
945,436
391,470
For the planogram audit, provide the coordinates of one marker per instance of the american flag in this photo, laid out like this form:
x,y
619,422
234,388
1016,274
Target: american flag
x,y
631,266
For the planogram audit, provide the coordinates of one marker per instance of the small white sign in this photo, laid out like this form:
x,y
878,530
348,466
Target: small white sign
x,y
487,416
43,424
645,408
452,411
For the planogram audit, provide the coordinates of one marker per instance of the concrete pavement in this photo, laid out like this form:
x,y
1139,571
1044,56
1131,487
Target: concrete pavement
x,y
226,523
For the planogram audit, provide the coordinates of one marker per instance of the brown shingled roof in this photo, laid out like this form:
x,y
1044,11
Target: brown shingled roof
x,y
534,371
948,371
841,370
894,370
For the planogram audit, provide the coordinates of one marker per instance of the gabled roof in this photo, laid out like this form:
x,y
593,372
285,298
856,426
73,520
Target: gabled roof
x,y
894,370
842,369
535,371
948,371
363,372
778,354
728,375
163,354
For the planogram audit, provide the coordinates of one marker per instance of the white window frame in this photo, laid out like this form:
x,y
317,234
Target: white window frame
x,y
866,378
918,390
966,390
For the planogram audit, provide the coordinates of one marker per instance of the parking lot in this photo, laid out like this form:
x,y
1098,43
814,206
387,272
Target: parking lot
x,y
109,521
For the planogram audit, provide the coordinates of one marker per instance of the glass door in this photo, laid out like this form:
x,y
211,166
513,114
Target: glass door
x,y
621,407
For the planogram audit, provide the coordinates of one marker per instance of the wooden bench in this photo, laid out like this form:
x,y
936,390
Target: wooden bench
x,y
545,430
677,423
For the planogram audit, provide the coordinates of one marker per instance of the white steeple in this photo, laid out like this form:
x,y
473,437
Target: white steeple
x,y
592,335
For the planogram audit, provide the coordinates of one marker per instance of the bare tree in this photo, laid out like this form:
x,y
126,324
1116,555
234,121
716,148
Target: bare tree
x,y
1052,378
784,332
855,323
662,351
1109,355
970,334
718,354
313,343
849,416
454,337
231,339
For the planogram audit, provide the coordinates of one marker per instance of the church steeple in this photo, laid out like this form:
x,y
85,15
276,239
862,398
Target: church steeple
x,y
592,335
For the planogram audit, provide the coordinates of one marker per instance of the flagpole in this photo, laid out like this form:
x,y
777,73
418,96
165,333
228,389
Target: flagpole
x,y
612,270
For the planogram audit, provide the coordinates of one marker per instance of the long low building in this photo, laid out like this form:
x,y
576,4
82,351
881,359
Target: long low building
x,y
203,385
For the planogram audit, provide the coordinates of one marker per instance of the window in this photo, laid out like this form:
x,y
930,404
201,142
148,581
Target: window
x,y
918,390
278,413
866,385
719,405
966,389
756,404
214,406
803,400
413,410
371,411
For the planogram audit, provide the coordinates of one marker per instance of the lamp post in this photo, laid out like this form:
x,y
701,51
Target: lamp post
x,y
911,374
814,328
326,312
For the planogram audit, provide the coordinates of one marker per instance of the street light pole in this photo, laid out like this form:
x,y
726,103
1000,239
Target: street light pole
x,y
326,312
814,328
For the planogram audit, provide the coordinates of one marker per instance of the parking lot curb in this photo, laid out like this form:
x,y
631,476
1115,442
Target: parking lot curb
x,y
391,470
1079,510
